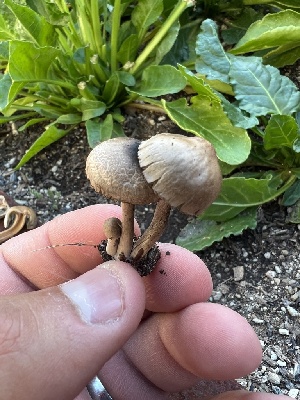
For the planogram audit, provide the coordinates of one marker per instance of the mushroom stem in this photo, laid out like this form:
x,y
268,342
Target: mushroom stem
x,y
153,232
113,229
126,238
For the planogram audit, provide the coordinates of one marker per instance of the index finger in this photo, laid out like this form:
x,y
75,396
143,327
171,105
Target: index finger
x,y
179,279
31,256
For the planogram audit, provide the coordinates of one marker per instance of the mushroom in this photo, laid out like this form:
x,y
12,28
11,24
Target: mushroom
x,y
4,206
113,170
168,169
184,172
113,229
15,219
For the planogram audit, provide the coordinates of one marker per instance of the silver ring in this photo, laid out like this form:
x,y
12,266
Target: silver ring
x,y
97,391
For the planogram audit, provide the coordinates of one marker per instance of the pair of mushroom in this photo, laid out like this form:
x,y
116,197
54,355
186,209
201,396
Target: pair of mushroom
x,y
168,169
15,218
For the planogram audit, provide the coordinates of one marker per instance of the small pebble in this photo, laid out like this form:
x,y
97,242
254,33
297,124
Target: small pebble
x,y
270,274
217,295
258,321
293,393
295,296
284,332
273,356
292,311
281,363
278,269
224,288
238,273
274,378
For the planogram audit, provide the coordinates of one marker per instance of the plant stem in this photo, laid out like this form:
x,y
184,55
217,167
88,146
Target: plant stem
x,y
96,29
253,2
63,84
83,13
258,131
19,116
116,18
172,18
62,5
148,107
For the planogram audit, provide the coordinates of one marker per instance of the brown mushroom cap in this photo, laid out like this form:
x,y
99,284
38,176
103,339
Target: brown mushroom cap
x,y
114,171
184,171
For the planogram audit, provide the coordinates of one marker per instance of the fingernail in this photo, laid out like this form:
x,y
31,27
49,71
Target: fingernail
x,y
97,294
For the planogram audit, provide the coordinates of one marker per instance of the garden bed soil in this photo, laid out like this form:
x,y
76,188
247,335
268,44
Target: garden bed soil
x,y
257,273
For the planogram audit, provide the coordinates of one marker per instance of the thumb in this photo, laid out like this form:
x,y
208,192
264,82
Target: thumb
x,y
54,341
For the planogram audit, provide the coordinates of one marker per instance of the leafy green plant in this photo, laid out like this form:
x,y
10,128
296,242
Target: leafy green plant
x,y
68,63
274,34
265,107
79,62
277,35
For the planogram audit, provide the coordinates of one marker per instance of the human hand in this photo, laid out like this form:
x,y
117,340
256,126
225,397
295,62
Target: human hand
x,y
55,340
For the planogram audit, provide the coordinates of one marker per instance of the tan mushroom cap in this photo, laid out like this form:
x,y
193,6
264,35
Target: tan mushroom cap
x,y
114,171
184,171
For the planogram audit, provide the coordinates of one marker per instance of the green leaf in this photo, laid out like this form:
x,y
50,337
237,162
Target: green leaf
x,y
79,55
236,115
207,119
41,32
213,61
286,3
282,130
8,91
238,27
239,193
49,11
118,131
68,119
99,131
292,194
158,80
5,30
275,29
283,55
92,109
28,62
126,78
145,13
198,85
4,51
111,88
49,136
31,122
128,49
167,43
260,89
181,51
199,234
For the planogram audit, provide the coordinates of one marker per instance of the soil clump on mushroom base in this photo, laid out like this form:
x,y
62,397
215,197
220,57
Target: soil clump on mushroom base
x,y
256,274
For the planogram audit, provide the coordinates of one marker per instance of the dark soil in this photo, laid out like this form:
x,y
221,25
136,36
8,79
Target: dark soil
x,y
256,273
